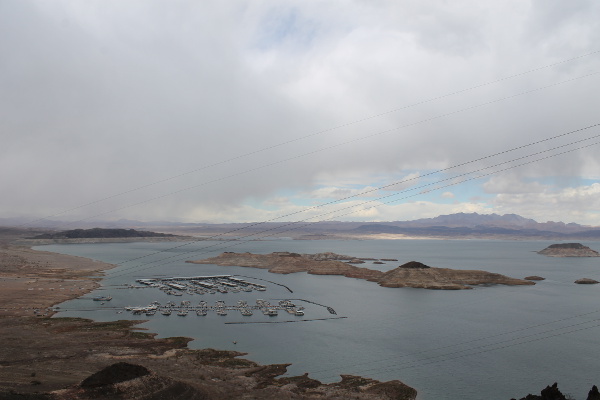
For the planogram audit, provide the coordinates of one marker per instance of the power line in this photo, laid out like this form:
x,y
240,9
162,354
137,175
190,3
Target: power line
x,y
428,186
237,242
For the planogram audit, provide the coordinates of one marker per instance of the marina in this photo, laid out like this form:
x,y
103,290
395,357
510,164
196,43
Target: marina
x,y
201,285
185,307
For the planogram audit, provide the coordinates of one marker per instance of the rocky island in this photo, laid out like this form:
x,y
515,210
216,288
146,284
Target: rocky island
x,y
569,250
412,274
586,281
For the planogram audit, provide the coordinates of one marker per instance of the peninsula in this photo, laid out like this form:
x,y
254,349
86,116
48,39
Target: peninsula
x,y
412,274
569,250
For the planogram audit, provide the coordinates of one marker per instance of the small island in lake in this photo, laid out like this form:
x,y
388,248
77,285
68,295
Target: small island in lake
x,y
586,281
569,250
412,274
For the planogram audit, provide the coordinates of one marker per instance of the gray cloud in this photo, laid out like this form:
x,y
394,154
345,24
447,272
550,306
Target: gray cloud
x,y
98,98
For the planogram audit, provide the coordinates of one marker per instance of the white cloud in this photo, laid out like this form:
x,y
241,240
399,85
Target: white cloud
x,y
572,204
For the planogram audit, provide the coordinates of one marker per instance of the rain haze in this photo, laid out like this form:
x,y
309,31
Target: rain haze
x,y
250,111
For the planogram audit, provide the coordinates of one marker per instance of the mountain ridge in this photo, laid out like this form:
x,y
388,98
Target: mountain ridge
x,y
458,225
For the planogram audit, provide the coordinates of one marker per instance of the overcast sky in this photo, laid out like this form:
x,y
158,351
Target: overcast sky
x,y
224,111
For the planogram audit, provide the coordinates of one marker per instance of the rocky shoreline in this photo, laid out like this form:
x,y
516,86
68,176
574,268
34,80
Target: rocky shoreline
x,y
412,274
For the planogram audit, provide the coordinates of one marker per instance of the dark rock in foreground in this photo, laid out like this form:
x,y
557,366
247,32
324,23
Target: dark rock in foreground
x,y
549,393
552,393
116,373
129,381
593,393
569,250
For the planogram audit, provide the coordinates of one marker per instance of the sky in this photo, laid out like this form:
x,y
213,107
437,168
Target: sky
x,y
245,111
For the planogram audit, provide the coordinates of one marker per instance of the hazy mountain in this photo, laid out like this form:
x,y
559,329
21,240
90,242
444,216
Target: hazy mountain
x,y
510,221
470,225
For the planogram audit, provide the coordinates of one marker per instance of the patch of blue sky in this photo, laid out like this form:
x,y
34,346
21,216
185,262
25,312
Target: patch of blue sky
x,y
441,189
284,26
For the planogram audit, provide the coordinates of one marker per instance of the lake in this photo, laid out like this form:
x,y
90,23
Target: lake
x,y
494,342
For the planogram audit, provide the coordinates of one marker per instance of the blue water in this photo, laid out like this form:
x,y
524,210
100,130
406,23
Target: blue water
x,y
492,342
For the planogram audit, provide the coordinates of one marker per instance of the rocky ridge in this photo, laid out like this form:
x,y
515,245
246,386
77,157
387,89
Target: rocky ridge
x,y
95,233
412,274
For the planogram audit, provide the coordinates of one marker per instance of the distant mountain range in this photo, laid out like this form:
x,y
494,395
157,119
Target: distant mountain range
x,y
481,225
461,225
509,221
96,233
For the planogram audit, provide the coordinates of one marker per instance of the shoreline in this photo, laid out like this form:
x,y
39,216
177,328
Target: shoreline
x,y
34,279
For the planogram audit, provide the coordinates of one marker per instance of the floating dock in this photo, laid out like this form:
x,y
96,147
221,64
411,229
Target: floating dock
x,y
177,286
219,307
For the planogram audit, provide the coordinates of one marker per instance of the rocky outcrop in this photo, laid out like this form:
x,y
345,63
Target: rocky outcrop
x,y
586,281
130,381
116,373
549,393
552,393
593,394
534,278
135,382
569,250
412,274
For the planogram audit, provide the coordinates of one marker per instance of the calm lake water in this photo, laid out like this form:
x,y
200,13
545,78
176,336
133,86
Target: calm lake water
x,y
494,342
